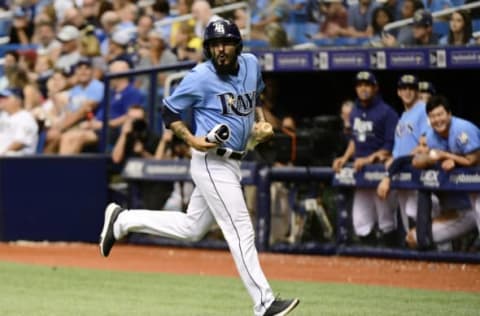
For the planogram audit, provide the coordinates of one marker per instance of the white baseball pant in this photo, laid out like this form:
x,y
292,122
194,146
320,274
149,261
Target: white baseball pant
x,y
369,209
217,196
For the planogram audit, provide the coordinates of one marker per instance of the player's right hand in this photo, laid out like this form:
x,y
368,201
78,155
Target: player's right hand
x,y
383,188
338,164
200,143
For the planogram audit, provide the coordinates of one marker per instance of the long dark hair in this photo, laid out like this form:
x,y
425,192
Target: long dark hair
x,y
467,28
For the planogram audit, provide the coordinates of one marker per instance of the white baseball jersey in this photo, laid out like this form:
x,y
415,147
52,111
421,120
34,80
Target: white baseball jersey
x,y
18,127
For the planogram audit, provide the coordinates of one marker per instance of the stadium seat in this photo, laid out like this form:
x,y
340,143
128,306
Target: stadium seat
x,y
441,27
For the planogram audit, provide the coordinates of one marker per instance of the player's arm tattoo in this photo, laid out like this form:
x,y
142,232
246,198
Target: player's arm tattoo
x,y
181,130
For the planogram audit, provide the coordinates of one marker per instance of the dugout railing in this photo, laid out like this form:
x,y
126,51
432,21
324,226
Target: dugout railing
x,y
262,176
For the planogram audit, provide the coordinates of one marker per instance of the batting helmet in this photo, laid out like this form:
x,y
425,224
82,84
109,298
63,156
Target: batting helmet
x,y
221,29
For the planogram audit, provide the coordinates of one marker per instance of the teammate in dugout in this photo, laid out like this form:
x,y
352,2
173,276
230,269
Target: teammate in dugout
x,y
413,125
452,142
222,90
373,127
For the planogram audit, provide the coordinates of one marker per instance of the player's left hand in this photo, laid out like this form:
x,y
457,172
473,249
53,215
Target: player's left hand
x,y
448,164
261,132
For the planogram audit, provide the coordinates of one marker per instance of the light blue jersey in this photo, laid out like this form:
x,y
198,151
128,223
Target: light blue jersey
x,y
412,124
215,99
463,138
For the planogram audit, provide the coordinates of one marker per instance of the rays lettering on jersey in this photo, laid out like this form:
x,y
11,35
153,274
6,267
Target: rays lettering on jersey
x,y
237,104
362,128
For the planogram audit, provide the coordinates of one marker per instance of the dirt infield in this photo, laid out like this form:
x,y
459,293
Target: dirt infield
x,y
398,273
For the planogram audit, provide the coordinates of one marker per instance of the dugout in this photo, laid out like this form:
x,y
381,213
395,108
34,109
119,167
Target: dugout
x,y
305,94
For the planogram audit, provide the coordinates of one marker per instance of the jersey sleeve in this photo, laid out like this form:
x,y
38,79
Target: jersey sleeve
x,y
391,121
187,93
468,139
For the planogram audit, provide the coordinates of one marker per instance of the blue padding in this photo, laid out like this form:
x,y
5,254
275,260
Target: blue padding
x,y
476,25
441,27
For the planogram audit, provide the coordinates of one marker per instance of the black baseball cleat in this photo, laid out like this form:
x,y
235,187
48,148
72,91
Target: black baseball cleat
x,y
107,239
281,307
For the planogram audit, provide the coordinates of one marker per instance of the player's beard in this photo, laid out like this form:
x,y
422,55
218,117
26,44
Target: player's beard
x,y
225,64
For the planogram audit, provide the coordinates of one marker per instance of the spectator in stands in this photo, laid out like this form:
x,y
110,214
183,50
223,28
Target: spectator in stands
x,y
72,16
84,99
46,41
18,128
90,48
452,142
22,26
380,17
70,55
122,95
42,72
373,128
183,7
405,33
359,19
335,19
18,78
109,21
202,14
128,17
422,31
460,31
413,124
118,48
136,140
89,11
394,8
50,112
271,21
160,12
10,60
144,26
425,90
159,55
187,46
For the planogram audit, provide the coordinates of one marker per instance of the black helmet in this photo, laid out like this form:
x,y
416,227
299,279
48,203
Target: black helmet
x,y
221,29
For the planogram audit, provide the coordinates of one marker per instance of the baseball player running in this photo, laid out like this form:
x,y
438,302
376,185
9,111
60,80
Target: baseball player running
x,y
222,93
373,123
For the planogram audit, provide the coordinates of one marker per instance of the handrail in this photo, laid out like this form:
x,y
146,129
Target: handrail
x,y
225,8
397,24
169,79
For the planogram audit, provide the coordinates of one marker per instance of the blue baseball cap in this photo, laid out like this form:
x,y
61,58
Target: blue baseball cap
x,y
425,86
12,92
422,18
366,76
408,81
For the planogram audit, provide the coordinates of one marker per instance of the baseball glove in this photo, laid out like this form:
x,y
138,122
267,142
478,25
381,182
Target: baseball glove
x,y
261,132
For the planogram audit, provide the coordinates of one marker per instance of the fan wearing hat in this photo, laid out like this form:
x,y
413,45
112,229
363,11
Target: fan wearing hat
x,y
423,29
118,47
373,127
18,128
68,36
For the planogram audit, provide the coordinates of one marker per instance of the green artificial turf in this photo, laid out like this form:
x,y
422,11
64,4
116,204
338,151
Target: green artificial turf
x,y
51,291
